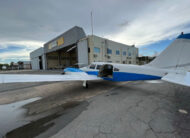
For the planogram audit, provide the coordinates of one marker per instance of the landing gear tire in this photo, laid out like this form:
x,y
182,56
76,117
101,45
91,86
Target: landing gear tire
x,y
85,84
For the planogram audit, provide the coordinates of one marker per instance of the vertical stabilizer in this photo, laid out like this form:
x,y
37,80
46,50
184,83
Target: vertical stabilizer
x,y
177,55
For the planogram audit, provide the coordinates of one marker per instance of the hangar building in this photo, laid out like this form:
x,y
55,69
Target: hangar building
x,y
74,46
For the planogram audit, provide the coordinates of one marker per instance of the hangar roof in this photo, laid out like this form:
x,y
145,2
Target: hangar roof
x,y
68,38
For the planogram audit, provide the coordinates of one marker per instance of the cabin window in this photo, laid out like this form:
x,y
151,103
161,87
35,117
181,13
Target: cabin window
x,y
98,67
116,69
92,66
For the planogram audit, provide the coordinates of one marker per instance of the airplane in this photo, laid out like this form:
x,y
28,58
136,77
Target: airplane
x,y
172,65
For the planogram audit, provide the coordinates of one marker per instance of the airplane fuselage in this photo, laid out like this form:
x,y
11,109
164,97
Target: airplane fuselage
x,y
122,72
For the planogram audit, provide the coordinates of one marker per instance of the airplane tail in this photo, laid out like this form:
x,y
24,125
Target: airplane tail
x,y
177,55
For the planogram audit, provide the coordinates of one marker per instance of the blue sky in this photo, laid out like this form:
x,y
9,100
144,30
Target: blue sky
x,y
13,58
26,25
11,48
155,48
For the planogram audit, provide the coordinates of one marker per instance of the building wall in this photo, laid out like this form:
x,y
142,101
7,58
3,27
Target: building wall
x,y
105,50
26,65
144,60
34,57
55,50
56,53
82,51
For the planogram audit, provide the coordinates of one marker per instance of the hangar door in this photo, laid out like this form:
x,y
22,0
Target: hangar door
x,y
62,58
82,49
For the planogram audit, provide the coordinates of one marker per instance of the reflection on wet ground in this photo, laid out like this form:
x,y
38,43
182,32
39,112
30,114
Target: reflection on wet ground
x,y
60,103
64,114
11,115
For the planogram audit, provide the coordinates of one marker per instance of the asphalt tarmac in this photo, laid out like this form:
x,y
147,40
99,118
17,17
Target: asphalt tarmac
x,y
106,109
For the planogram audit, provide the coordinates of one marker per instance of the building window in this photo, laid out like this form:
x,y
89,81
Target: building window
x,y
96,50
109,51
124,53
117,52
136,54
129,54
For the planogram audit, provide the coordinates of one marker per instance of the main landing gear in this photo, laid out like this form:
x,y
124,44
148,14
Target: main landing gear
x,y
85,84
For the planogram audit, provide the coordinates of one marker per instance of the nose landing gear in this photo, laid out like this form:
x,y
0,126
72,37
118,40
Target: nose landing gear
x,y
85,84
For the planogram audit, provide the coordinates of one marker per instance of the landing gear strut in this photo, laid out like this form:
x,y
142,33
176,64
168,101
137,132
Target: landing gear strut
x,y
85,84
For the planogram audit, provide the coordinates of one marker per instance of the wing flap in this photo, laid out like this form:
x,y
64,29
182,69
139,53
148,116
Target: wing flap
x,y
12,78
178,78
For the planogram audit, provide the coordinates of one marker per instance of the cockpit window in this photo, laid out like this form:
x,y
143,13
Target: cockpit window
x,y
116,69
92,66
98,67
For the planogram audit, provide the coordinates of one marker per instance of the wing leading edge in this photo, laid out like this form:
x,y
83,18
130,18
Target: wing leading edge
x,y
13,78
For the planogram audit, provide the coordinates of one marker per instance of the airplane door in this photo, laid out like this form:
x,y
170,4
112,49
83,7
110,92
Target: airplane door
x,y
106,71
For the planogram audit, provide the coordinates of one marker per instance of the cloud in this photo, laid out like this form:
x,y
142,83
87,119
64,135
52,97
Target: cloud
x,y
42,20
21,52
160,20
25,43
22,55
31,23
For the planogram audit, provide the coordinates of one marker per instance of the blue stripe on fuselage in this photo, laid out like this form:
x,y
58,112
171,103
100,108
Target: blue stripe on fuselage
x,y
92,72
124,76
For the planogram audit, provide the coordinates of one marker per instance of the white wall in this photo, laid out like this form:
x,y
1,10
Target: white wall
x,y
82,49
103,44
34,57
35,63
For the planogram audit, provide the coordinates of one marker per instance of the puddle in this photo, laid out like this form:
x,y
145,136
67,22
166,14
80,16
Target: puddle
x,y
154,81
34,128
51,124
12,115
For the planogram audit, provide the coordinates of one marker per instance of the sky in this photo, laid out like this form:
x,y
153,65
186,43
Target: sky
x,y
151,25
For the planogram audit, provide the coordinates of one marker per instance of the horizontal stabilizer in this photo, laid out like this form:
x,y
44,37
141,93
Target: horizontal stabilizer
x,y
12,78
183,79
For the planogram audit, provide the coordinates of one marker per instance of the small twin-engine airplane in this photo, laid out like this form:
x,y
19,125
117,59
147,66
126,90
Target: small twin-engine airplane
x,y
172,65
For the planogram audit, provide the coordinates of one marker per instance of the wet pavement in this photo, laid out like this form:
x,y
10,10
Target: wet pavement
x,y
129,109
134,110
60,103
12,115
51,124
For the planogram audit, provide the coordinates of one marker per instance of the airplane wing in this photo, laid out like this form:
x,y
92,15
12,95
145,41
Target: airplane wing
x,y
178,78
77,76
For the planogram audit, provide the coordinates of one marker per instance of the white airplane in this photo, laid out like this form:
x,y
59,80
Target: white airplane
x,y
172,65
